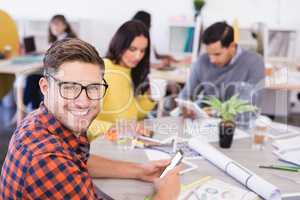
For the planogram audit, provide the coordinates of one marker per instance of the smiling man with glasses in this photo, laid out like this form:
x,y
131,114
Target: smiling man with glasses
x,y
48,155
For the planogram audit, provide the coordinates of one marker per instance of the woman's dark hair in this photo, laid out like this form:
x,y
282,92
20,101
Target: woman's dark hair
x,y
219,31
144,17
70,33
121,41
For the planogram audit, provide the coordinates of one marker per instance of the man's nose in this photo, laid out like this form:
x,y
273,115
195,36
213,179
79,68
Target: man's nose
x,y
82,99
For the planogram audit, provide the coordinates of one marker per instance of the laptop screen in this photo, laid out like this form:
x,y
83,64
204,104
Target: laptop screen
x,y
29,44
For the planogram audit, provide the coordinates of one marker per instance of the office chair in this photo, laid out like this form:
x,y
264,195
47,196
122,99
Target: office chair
x,y
8,39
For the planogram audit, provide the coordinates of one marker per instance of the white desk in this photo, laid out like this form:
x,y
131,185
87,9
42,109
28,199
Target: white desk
x,y
240,151
9,67
179,75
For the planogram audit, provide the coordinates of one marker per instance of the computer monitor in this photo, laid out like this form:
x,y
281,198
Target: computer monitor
x,y
29,45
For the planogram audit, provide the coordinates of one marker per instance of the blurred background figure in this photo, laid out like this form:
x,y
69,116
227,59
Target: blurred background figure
x,y
59,28
158,61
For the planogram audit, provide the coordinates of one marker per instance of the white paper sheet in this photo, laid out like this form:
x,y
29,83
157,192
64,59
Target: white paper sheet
x,y
156,155
215,189
286,144
235,170
291,155
279,130
208,130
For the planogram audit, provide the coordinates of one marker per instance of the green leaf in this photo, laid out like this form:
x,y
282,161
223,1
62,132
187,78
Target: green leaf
x,y
246,108
213,102
230,108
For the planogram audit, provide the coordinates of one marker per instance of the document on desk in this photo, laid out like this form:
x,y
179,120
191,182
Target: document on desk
x,y
215,189
208,129
291,155
279,130
288,149
287,144
235,170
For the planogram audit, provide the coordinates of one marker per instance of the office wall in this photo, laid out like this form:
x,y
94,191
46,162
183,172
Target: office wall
x,y
107,15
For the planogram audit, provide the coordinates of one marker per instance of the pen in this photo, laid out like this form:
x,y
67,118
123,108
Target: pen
x,y
279,168
287,166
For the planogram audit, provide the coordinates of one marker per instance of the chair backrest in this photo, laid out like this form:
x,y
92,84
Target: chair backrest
x,y
9,41
8,34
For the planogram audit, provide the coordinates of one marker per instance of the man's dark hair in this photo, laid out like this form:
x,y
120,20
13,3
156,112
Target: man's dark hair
x,y
70,50
144,17
219,31
122,40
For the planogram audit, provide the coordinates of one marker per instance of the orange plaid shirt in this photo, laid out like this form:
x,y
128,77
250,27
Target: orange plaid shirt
x,y
46,161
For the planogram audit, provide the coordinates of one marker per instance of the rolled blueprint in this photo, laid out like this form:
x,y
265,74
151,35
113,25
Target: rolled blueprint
x,y
235,170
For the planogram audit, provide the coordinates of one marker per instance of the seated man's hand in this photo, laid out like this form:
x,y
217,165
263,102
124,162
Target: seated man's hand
x,y
188,113
165,62
151,171
210,111
168,187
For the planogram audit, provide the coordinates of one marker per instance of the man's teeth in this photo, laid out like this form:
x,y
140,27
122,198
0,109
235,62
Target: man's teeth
x,y
79,112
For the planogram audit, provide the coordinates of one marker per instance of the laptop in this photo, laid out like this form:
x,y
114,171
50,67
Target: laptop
x,y
31,54
29,46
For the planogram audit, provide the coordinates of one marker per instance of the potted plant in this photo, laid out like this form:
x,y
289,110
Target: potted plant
x,y
198,4
227,111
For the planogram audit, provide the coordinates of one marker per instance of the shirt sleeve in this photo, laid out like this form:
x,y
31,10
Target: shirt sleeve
x,y
257,71
57,177
256,77
144,105
193,81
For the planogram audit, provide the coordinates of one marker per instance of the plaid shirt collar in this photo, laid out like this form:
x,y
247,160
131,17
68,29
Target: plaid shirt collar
x,y
78,142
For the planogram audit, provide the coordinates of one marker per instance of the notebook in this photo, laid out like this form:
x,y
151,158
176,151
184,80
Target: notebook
x,y
210,188
278,131
291,155
208,130
286,144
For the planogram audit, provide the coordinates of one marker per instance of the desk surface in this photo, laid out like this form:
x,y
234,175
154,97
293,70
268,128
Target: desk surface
x,y
9,67
240,151
181,75
178,74
285,87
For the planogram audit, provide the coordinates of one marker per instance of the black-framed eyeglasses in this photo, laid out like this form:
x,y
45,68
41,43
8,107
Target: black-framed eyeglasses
x,y
72,90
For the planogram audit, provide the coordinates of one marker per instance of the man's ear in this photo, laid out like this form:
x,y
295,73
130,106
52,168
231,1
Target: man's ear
x,y
232,45
44,85
232,48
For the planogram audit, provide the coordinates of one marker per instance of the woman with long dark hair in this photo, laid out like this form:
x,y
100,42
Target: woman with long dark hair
x,y
59,28
126,72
